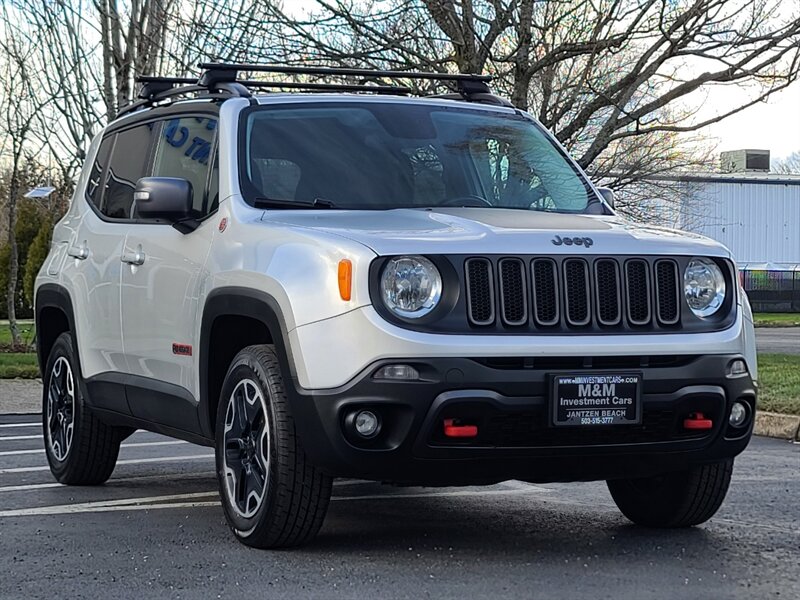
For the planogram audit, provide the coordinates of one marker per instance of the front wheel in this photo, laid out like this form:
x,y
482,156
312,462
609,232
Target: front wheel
x,y
680,499
272,495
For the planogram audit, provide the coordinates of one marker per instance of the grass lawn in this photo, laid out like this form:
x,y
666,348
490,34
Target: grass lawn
x,y
21,365
779,376
776,319
27,331
779,385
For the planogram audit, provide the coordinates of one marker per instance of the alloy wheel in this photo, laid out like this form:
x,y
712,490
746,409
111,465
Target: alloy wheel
x,y
246,448
60,408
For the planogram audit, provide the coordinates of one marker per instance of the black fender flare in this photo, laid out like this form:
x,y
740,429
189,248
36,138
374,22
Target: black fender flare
x,y
53,295
243,302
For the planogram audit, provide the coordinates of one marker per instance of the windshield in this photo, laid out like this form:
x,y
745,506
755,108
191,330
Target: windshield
x,y
391,155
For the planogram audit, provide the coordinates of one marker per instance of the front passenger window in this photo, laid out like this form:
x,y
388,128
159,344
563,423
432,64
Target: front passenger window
x,y
184,151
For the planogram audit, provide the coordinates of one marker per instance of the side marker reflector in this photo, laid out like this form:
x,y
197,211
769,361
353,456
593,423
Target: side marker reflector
x,y
459,431
697,421
345,279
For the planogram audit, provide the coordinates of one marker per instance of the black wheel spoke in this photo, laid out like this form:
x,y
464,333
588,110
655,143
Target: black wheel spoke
x,y
255,483
241,410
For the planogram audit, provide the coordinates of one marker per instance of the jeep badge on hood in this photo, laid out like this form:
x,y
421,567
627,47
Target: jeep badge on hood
x,y
570,241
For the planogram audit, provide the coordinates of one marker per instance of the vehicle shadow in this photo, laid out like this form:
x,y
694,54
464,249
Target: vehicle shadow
x,y
504,526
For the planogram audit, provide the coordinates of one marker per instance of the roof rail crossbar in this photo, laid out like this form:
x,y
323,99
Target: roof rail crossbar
x,y
220,80
467,83
155,91
377,89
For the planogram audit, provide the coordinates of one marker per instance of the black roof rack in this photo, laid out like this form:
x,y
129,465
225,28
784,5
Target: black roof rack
x,y
220,80
336,87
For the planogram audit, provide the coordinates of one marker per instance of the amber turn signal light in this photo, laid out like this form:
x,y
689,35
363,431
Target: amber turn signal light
x,y
345,278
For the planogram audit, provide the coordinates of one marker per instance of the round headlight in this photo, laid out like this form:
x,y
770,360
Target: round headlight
x,y
704,286
411,286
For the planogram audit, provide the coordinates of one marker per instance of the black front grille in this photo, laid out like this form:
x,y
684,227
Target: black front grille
x,y
667,291
576,291
637,286
609,302
513,293
480,291
572,293
545,292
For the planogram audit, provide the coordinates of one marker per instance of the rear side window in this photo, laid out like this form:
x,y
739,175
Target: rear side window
x,y
94,191
184,150
128,164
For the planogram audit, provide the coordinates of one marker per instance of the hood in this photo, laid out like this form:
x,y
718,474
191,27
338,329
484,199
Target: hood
x,y
495,231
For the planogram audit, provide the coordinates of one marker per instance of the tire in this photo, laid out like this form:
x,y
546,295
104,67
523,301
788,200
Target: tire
x,y
81,449
273,497
681,499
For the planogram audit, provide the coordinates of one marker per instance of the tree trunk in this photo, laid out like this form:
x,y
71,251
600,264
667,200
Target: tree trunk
x,y
13,260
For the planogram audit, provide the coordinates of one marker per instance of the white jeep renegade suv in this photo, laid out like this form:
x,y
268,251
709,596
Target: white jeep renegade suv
x,y
422,291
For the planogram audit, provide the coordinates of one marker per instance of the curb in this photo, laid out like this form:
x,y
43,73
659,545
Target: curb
x,y
776,425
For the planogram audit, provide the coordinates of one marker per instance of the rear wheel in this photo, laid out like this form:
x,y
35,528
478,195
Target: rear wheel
x,y
272,495
81,449
681,499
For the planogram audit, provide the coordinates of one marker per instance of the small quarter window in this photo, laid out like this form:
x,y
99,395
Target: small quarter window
x,y
128,165
94,191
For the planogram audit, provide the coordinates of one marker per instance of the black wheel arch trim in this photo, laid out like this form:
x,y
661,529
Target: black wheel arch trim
x,y
241,302
53,295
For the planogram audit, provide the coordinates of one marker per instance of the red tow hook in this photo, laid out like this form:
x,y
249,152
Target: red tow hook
x,y
459,431
697,421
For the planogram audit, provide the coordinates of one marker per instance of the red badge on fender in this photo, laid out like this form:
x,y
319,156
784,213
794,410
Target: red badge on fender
x,y
223,224
182,349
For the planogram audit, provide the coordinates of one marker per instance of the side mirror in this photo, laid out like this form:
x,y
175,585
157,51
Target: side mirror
x,y
608,195
168,198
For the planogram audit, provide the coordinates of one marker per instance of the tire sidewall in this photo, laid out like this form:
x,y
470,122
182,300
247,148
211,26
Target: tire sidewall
x,y
63,348
247,366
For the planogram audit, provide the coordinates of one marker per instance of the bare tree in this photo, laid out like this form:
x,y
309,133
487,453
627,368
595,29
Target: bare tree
x,y
18,111
787,166
604,75
86,54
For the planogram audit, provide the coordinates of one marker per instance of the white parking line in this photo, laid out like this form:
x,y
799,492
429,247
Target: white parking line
x,y
62,509
4,425
111,484
158,502
136,461
134,445
15,438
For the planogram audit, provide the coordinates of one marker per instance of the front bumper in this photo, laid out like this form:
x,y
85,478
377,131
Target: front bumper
x,y
508,399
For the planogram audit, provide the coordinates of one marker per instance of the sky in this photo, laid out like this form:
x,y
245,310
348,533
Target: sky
x,y
773,125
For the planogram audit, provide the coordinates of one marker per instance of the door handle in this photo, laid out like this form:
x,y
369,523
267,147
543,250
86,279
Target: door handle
x,y
80,252
134,258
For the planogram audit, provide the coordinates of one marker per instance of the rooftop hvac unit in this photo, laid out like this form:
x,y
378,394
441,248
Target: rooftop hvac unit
x,y
744,161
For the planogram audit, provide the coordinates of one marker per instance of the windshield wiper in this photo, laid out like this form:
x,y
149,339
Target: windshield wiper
x,y
319,203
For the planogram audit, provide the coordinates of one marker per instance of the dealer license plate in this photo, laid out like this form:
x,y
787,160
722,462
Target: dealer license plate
x,y
596,399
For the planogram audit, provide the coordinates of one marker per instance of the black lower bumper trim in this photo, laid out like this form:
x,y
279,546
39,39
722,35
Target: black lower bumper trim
x,y
509,407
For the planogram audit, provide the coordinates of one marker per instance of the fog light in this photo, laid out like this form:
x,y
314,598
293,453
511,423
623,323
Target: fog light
x,y
367,424
402,372
738,414
737,368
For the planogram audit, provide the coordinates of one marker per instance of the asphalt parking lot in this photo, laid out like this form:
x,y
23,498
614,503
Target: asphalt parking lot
x,y
780,340
156,530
